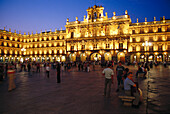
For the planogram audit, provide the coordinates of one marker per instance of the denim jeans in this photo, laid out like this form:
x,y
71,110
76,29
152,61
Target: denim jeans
x,y
107,82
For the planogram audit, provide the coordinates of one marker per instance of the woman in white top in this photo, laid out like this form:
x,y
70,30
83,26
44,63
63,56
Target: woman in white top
x,y
48,70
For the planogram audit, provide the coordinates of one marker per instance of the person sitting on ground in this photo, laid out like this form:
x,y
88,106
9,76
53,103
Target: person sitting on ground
x,y
127,87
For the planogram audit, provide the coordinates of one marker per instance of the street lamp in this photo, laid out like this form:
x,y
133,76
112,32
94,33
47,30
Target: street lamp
x,y
23,50
146,44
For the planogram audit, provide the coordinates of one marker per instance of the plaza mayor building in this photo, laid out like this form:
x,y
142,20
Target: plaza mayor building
x,y
96,38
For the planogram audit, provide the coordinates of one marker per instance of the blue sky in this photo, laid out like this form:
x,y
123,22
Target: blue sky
x,y
36,15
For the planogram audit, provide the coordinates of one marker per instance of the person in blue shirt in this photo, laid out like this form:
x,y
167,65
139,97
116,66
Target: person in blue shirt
x,y
128,84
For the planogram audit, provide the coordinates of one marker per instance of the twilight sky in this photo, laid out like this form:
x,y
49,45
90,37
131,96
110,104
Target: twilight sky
x,y
36,15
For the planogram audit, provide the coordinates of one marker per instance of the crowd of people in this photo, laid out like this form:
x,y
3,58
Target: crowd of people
x,y
86,66
125,80
124,75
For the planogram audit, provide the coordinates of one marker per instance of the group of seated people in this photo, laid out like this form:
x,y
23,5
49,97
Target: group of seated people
x,y
142,69
131,87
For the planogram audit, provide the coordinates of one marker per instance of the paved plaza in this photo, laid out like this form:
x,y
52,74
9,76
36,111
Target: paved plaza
x,y
81,93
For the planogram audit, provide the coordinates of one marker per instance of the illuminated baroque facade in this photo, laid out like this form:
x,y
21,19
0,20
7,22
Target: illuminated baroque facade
x,y
96,38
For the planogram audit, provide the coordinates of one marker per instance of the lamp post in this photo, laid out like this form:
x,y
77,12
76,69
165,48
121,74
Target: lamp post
x,y
23,50
146,44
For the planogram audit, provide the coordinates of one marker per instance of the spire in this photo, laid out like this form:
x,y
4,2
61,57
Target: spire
x,y
154,19
137,21
114,13
76,18
126,12
163,19
145,20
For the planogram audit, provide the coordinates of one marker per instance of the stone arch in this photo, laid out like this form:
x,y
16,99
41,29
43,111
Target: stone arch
x,y
159,58
63,58
107,56
142,58
83,57
2,44
121,57
133,57
95,57
151,57
72,57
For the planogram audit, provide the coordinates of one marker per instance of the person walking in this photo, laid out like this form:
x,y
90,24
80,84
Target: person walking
x,y
48,70
79,64
38,67
62,67
65,66
82,65
88,67
29,69
93,66
1,71
58,73
6,70
119,73
108,73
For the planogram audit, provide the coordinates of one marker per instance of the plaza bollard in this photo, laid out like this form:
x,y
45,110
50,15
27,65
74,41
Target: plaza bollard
x,y
11,78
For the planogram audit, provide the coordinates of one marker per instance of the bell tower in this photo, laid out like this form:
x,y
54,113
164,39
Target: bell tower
x,y
94,13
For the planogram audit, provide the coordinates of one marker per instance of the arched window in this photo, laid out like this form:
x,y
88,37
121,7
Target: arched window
x,y
7,38
120,45
57,51
95,46
7,45
99,15
2,44
107,45
95,15
72,34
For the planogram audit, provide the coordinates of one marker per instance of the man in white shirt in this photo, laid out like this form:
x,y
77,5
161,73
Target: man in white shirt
x,y
108,73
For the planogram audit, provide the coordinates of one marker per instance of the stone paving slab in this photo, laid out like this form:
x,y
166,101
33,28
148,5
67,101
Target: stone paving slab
x,y
80,93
